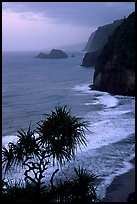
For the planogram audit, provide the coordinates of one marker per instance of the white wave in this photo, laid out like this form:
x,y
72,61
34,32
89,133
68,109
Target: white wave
x,y
82,88
125,97
101,190
11,138
114,112
105,132
108,100
93,103
8,138
103,98
85,89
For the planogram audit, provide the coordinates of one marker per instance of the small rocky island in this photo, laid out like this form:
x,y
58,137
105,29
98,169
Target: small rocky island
x,y
54,54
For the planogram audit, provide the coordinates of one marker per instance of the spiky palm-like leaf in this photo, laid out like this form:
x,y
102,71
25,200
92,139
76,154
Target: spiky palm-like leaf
x,y
7,157
82,176
84,185
79,189
61,133
27,142
25,147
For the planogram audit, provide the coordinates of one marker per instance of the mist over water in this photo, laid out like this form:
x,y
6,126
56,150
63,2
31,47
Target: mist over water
x,y
32,87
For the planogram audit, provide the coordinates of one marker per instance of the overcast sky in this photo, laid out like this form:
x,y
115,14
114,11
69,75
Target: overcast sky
x,y
43,25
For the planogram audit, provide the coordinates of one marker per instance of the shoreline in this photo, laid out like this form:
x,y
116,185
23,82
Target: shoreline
x,y
121,186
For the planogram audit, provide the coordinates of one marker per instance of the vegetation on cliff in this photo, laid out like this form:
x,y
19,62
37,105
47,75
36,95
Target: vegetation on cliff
x,y
97,41
100,37
115,68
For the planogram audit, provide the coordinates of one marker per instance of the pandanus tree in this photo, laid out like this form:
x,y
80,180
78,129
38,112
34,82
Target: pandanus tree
x,y
78,189
61,133
57,139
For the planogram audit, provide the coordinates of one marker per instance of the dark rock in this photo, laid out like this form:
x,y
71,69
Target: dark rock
x,y
90,59
42,55
100,37
57,54
97,41
54,54
131,197
115,68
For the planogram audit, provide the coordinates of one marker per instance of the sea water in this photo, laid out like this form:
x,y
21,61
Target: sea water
x,y
32,87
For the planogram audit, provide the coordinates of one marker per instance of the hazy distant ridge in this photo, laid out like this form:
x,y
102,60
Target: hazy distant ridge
x,y
100,37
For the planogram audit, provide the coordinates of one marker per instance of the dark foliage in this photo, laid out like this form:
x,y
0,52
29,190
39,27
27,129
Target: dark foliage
x,y
58,137
122,43
61,133
131,197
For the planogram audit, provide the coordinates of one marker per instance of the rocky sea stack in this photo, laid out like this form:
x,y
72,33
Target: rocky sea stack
x,y
115,68
54,54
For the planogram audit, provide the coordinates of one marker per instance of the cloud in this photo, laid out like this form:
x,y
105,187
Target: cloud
x,y
37,25
19,33
82,13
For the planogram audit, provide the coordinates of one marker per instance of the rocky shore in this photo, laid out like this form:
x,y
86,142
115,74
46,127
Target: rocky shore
x,y
121,187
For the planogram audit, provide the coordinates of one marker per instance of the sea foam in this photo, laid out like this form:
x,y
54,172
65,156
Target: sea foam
x,y
107,100
103,98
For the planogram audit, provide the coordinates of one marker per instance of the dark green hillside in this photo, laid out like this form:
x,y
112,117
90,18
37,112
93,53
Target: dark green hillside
x,y
115,68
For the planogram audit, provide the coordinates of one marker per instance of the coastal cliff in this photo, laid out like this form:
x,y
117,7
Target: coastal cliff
x,y
97,41
90,59
100,37
115,68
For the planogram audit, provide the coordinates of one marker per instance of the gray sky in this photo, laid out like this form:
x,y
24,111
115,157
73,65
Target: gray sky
x,y
43,25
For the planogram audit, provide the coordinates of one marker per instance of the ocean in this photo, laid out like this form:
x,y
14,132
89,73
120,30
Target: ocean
x,y
32,87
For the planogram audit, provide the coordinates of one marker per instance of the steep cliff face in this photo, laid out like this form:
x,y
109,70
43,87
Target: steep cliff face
x,y
100,37
90,40
97,41
115,68
90,59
